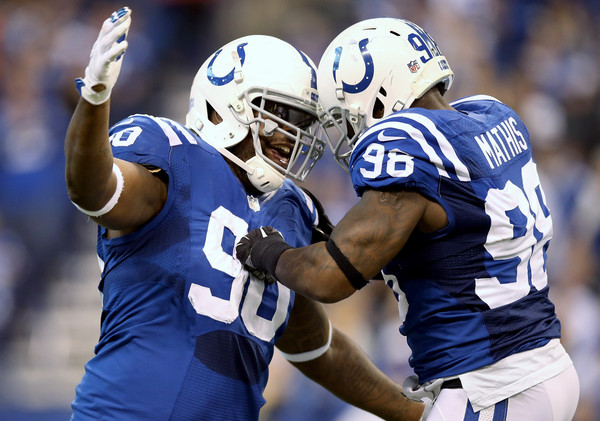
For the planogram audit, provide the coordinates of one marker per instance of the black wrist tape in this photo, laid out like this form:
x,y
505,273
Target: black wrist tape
x,y
354,276
267,251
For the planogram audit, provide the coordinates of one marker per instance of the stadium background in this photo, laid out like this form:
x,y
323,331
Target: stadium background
x,y
542,57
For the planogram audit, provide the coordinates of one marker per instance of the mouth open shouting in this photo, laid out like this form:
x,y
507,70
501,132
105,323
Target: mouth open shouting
x,y
280,129
279,152
285,135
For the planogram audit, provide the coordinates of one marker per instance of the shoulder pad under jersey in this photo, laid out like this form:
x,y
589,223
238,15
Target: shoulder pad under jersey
x,y
407,149
147,140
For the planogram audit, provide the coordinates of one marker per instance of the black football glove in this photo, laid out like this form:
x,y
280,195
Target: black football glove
x,y
259,251
323,229
265,277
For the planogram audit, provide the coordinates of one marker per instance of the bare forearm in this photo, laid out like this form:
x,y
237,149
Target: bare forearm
x,y
88,156
312,272
348,373
368,236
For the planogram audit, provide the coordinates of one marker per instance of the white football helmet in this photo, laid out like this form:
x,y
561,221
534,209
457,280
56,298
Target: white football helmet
x,y
258,80
370,70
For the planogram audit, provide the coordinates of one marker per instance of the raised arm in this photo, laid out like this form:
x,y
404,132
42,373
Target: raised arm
x,y
342,367
116,194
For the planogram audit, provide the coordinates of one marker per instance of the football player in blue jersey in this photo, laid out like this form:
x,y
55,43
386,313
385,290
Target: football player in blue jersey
x,y
186,333
452,216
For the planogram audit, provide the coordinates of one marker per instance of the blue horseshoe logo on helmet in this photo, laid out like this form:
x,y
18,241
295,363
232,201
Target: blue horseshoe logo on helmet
x,y
369,69
224,80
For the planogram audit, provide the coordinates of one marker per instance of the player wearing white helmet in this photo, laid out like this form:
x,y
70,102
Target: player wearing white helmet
x,y
247,95
186,332
453,216
374,68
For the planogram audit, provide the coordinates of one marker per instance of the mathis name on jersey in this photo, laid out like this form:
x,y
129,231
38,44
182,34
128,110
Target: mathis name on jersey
x,y
502,143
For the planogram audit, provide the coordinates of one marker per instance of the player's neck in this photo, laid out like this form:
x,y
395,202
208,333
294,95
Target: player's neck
x,y
432,100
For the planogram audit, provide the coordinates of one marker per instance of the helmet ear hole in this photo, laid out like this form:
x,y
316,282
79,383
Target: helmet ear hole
x,y
213,115
379,107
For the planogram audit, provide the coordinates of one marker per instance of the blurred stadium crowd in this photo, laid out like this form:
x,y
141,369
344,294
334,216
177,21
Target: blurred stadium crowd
x,y
542,57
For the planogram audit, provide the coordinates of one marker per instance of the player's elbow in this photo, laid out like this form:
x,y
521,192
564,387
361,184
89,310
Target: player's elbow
x,y
73,190
78,193
84,195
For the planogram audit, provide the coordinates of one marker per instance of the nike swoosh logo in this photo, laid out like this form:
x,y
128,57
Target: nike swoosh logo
x,y
383,138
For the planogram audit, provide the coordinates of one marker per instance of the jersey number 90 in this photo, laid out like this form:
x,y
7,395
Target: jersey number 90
x,y
228,310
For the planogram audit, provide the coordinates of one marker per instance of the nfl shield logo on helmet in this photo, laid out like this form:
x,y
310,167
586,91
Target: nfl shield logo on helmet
x,y
413,66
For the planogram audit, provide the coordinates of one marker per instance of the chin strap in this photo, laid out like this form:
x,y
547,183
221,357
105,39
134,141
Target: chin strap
x,y
228,154
262,176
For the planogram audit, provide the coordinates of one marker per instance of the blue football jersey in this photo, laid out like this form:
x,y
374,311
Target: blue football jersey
x,y
476,291
185,333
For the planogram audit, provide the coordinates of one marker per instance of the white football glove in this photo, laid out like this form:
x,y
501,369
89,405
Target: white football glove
x,y
426,393
105,58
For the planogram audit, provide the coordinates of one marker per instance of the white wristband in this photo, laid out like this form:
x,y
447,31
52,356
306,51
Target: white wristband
x,y
113,200
310,355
